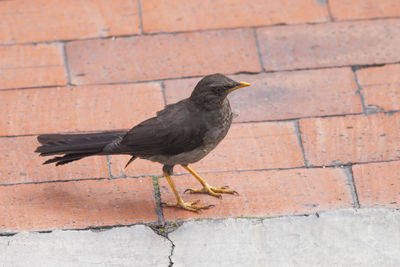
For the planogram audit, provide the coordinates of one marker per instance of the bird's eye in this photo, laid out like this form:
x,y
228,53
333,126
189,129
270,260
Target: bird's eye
x,y
220,89
216,88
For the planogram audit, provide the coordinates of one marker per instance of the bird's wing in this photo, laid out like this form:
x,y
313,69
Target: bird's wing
x,y
170,133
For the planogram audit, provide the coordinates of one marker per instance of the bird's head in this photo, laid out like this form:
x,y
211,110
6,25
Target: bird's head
x,y
212,90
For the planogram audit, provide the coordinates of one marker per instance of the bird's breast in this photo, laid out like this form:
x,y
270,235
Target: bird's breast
x,y
220,122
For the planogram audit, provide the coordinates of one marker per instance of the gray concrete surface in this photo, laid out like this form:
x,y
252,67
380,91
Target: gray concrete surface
x,y
365,237
125,246
338,238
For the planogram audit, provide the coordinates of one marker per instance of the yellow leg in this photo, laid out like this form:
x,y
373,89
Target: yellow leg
x,y
180,203
214,191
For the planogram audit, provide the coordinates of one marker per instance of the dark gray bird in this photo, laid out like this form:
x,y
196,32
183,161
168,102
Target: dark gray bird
x,y
181,133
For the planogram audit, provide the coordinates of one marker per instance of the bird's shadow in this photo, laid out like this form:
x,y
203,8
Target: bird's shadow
x,y
67,206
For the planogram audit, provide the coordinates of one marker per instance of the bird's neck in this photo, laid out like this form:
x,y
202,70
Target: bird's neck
x,y
209,103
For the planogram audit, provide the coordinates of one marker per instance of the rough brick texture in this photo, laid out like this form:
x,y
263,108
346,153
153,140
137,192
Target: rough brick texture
x,y
78,108
76,204
162,56
265,193
25,21
330,67
333,44
378,184
247,146
31,65
18,164
166,16
340,140
285,95
381,87
364,9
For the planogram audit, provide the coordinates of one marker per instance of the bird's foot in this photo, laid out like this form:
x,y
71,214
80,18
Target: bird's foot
x,y
191,206
213,191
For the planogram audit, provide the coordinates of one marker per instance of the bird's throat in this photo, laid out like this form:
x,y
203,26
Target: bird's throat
x,y
210,102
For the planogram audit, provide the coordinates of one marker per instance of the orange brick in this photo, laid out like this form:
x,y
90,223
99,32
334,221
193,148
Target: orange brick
x,y
140,167
382,97
31,65
247,146
276,96
378,184
364,9
79,108
265,193
18,164
379,75
330,44
43,20
162,56
381,86
76,204
339,140
166,16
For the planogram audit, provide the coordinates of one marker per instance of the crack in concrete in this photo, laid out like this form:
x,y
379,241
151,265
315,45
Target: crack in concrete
x,y
7,234
161,230
164,231
171,263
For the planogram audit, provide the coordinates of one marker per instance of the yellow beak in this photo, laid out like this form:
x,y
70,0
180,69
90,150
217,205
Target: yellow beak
x,y
241,84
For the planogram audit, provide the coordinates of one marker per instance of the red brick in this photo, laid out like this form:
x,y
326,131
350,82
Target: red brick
x,y
381,86
387,74
42,20
162,56
330,44
78,108
382,97
339,140
285,95
167,16
364,9
378,184
18,164
265,193
31,65
140,167
76,204
247,146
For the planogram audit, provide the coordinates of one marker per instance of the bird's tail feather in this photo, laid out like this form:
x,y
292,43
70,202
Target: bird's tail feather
x,y
74,146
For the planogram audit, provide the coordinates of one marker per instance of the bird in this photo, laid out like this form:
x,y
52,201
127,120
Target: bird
x,y
181,134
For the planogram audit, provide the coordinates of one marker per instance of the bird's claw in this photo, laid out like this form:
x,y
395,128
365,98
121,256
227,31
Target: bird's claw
x,y
213,191
191,206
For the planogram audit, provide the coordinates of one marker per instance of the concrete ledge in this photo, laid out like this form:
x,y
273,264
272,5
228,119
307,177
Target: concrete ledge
x,y
365,237
126,246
